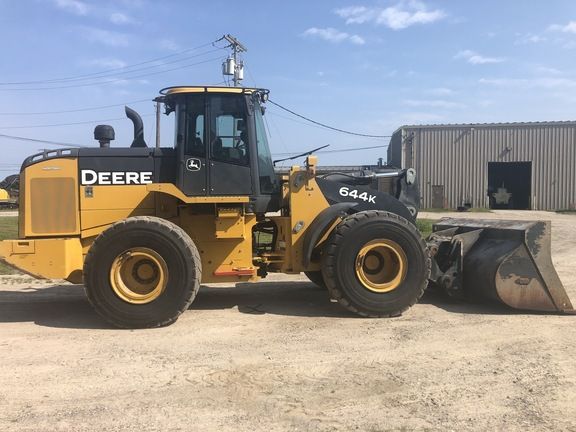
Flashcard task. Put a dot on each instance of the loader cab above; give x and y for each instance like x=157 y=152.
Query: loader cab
x=221 y=144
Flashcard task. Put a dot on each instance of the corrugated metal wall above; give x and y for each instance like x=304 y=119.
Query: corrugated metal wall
x=457 y=157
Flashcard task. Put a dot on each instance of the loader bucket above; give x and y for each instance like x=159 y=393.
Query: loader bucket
x=498 y=260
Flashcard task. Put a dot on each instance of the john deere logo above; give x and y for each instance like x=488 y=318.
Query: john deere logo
x=193 y=164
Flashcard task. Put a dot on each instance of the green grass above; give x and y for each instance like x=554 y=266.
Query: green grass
x=425 y=226
x=571 y=212
x=8 y=230
x=451 y=210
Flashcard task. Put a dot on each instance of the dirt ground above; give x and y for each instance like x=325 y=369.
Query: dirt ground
x=278 y=355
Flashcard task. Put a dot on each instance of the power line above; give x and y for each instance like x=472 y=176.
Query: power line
x=75 y=110
x=19 y=138
x=117 y=74
x=273 y=113
x=337 y=150
x=327 y=126
x=292 y=119
x=113 y=80
x=75 y=77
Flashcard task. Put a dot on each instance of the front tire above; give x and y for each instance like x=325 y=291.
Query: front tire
x=316 y=278
x=142 y=272
x=375 y=264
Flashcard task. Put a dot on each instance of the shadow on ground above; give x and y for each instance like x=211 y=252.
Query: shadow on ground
x=301 y=298
x=61 y=306
x=65 y=306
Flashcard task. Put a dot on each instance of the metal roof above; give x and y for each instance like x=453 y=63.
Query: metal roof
x=488 y=125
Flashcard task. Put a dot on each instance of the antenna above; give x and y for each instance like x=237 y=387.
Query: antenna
x=300 y=155
x=232 y=66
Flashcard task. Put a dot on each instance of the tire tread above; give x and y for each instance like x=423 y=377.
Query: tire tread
x=153 y=223
x=334 y=243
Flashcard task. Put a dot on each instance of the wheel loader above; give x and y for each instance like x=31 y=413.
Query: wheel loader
x=142 y=227
x=9 y=192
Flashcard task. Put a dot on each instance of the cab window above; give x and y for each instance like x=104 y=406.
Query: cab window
x=228 y=132
x=190 y=131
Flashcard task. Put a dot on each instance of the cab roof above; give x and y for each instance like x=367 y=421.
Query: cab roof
x=210 y=89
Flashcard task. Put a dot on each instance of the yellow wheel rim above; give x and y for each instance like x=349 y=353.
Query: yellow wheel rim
x=139 y=275
x=381 y=265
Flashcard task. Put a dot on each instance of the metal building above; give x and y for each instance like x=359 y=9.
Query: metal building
x=500 y=165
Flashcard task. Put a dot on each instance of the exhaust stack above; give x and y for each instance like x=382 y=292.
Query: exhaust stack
x=138 y=127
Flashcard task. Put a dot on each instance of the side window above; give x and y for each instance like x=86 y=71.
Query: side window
x=228 y=134
x=268 y=179
x=195 y=141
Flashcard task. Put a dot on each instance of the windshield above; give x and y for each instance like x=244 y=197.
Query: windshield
x=268 y=180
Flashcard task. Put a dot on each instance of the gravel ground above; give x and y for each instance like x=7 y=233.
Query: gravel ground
x=278 y=355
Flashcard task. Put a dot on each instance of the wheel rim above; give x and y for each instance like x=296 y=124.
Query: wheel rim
x=381 y=265
x=139 y=275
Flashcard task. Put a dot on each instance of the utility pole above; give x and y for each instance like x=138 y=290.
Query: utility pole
x=158 y=101
x=232 y=66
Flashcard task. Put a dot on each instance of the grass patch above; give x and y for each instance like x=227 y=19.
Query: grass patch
x=425 y=226
x=437 y=210
x=8 y=230
x=451 y=210
x=570 y=212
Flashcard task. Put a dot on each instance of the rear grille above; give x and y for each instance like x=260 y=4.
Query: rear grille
x=53 y=205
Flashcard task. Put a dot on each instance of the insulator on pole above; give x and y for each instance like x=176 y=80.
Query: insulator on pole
x=240 y=75
x=228 y=66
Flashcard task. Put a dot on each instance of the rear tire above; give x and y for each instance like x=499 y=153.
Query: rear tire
x=376 y=264
x=316 y=278
x=142 y=272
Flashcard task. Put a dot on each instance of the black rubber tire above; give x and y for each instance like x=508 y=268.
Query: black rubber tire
x=316 y=278
x=342 y=247
x=172 y=243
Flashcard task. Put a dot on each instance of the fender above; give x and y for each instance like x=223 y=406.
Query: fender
x=319 y=227
x=374 y=200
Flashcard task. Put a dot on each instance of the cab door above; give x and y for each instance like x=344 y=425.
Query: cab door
x=192 y=148
x=230 y=172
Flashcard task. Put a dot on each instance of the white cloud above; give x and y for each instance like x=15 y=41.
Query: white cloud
x=421 y=118
x=438 y=103
x=124 y=82
x=169 y=45
x=477 y=59
x=133 y=3
x=529 y=38
x=383 y=71
x=332 y=35
x=105 y=37
x=524 y=83
x=120 y=18
x=400 y=16
x=73 y=6
x=545 y=70
x=355 y=39
x=440 y=91
x=567 y=28
x=107 y=63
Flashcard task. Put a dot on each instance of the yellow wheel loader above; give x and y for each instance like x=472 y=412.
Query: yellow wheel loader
x=142 y=227
x=9 y=192
x=6 y=201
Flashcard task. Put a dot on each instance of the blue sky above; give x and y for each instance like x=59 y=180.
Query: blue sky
x=365 y=66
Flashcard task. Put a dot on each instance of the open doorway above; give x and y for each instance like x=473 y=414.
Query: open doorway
x=509 y=185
